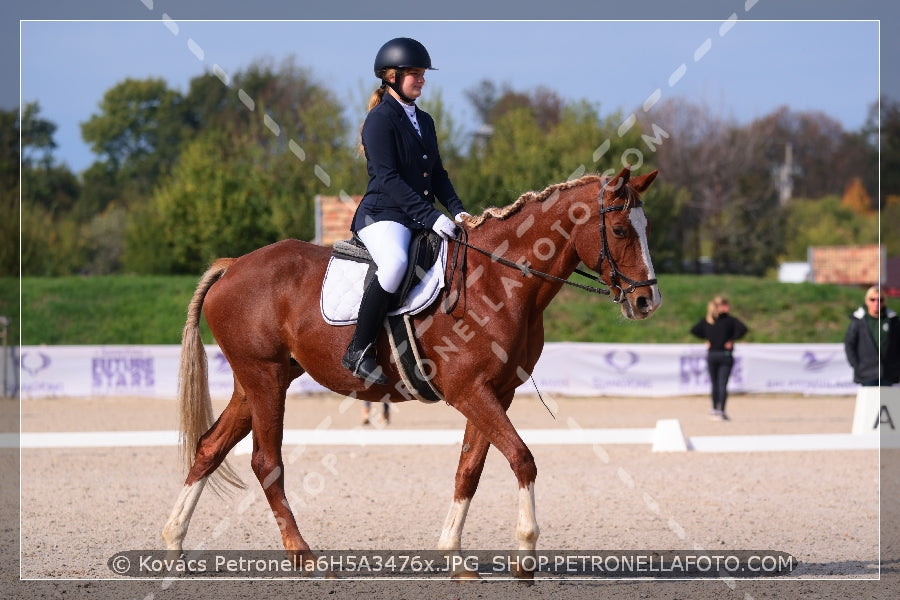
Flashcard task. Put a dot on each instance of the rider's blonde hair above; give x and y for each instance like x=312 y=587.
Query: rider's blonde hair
x=375 y=99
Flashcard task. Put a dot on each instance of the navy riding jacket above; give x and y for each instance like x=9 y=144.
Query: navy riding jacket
x=406 y=175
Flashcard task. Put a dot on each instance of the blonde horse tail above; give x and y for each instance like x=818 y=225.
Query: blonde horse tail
x=196 y=414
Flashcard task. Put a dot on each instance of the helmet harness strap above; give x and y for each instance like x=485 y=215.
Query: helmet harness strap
x=398 y=77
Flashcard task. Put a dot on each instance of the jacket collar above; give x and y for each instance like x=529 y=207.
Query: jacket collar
x=395 y=105
x=860 y=312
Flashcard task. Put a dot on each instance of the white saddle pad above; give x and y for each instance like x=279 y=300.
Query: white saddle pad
x=342 y=289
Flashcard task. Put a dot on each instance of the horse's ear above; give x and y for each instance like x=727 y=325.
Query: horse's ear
x=618 y=182
x=642 y=182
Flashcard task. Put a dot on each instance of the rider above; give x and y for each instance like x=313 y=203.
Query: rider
x=406 y=177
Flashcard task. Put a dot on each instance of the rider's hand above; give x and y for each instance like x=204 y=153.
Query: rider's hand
x=462 y=217
x=445 y=227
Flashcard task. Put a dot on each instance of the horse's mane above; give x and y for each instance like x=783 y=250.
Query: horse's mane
x=532 y=196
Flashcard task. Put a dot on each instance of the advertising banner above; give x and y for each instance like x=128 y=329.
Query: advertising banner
x=566 y=368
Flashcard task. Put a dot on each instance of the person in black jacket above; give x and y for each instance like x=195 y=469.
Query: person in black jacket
x=720 y=330
x=872 y=342
x=406 y=178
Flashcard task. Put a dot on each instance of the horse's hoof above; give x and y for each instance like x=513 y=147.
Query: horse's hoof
x=465 y=575
x=523 y=575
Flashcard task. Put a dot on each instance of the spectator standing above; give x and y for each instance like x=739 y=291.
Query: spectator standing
x=720 y=330
x=872 y=342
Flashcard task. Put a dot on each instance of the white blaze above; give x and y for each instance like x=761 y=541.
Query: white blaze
x=639 y=222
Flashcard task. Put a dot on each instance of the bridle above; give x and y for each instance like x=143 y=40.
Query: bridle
x=616 y=276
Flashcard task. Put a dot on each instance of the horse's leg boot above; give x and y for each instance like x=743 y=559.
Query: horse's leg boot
x=360 y=357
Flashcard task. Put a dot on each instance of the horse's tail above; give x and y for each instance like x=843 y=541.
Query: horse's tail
x=196 y=414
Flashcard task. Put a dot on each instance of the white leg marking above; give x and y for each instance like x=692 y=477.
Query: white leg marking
x=177 y=526
x=451 y=535
x=527 y=530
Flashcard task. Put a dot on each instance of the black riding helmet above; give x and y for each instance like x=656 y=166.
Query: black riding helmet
x=401 y=53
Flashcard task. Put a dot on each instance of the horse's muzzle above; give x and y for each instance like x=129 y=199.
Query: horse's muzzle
x=641 y=303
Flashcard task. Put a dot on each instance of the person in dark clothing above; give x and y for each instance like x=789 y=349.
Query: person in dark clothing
x=406 y=178
x=720 y=330
x=872 y=342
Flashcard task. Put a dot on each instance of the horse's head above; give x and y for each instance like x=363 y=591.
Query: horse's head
x=613 y=241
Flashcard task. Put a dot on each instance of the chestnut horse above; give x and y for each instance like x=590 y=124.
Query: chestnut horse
x=263 y=309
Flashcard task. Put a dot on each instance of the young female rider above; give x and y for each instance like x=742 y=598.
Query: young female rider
x=406 y=177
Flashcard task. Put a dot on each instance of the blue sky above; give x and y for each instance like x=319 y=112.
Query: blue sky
x=739 y=69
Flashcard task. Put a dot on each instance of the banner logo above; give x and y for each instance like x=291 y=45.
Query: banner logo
x=621 y=360
x=812 y=363
x=34 y=363
x=129 y=371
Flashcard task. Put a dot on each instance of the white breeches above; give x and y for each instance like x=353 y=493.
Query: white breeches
x=388 y=243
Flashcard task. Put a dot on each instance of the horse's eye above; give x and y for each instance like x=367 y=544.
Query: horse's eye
x=618 y=231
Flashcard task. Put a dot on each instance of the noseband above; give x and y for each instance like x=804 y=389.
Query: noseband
x=458 y=266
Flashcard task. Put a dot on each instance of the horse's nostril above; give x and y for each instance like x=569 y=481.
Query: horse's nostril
x=643 y=304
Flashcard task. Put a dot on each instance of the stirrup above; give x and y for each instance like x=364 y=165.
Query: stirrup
x=365 y=366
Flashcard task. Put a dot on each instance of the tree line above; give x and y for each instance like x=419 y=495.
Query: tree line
x=181 y=178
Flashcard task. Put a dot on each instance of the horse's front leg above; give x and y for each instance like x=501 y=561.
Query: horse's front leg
x=471 y=464
x=468 y=473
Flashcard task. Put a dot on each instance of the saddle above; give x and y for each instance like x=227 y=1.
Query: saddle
x=424 y=251
x=351 y=268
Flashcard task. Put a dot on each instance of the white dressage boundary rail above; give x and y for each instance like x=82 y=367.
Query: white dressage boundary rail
x=665 y=437
x=565 y=368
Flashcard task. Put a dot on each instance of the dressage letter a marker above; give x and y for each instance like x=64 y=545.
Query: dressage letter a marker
x=884 y=416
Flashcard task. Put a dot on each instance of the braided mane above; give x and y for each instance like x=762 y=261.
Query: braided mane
x=533 y=196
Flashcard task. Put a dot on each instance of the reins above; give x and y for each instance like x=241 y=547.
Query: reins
x=458 y=265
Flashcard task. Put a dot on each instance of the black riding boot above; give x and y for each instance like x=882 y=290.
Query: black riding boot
x=360 y=357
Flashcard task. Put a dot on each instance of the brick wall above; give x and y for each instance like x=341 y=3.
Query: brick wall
x=847 y=265
x=333 y=216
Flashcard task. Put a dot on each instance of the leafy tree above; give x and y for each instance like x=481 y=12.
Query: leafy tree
x=51 y=242
x=825 y=222
x=522 y=154
x=50 y=246
x=698 y=154
x=9 y=233
x=664 y=206
x=138 y=131
x=449 y=134
x=890 y=149
x=9 y=193
x=855 y=197
x=752 y=232
x=828 y=157
x=890 y=224
x=9 y=150
x=37 y=138
x=214 y=205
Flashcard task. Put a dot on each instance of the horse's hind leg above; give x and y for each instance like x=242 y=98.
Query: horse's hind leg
x=213 y=447
x=266 y=387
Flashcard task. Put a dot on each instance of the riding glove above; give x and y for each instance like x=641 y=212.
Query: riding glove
x=445 y=227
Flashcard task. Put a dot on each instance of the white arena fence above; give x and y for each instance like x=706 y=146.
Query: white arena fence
x=565 y=368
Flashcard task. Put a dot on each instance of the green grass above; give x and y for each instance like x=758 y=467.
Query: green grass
x=151 y=310
x=105 y=310
x=774 y=312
